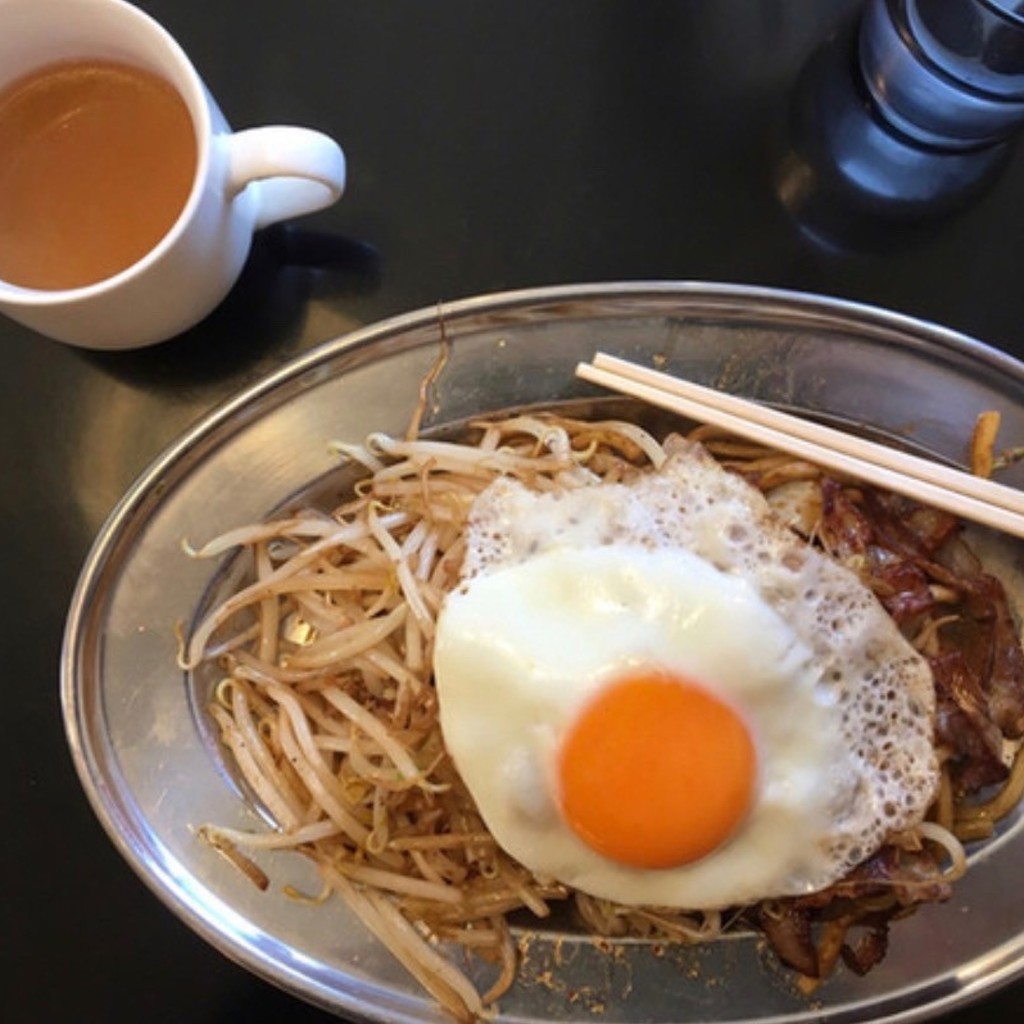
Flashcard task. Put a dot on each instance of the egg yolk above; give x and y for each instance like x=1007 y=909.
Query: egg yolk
x=656 y=772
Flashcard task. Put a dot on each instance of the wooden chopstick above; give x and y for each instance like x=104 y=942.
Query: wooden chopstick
x=952 y=490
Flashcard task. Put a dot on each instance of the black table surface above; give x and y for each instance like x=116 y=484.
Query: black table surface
x=491 y=146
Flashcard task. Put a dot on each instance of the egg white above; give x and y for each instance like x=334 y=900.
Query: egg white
x=687 y=570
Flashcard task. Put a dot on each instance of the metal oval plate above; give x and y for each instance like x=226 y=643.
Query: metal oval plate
x=151 y=776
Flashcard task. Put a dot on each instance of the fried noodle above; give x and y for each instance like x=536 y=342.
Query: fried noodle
x=326 y=703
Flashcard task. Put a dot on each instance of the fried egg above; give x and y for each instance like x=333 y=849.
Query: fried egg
x=657 y=694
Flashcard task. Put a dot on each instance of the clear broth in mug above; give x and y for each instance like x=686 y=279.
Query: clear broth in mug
x=97 y=160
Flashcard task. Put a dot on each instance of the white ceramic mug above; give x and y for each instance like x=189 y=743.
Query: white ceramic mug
x=243 y=181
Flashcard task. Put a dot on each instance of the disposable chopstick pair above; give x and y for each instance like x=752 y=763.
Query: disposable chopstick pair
x=931 y=483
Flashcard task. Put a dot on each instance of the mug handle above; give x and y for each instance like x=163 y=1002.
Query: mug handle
x=299 y=170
